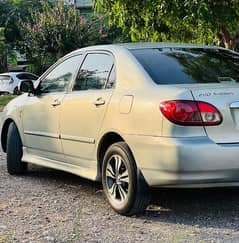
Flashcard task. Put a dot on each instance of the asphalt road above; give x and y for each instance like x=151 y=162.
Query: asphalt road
x=51 y=206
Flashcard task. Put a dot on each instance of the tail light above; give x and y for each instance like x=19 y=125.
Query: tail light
x=11 y=81
x=191 y=113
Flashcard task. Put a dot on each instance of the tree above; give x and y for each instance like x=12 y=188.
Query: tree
x=3 y=51
x=11 y=11
x=203 y=21
x=58 y=30
x=220 y=17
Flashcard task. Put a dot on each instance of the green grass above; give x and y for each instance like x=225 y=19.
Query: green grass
x=4 y=99
x=6 y=237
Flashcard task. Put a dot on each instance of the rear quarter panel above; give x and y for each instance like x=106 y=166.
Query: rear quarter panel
x=144 y=116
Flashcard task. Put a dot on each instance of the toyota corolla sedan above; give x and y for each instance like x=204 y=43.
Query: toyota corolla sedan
x=133 y=116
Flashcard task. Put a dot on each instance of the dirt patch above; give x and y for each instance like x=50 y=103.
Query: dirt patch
x=51 y=206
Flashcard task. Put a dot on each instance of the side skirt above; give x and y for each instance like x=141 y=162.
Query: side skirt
x=88 y=173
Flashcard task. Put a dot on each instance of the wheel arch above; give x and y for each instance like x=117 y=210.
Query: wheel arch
x=106 y=141
x=4 y=133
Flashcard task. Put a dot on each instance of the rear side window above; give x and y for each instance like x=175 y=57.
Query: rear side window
x=188 y=66
x=94 y=72
x=27 y=76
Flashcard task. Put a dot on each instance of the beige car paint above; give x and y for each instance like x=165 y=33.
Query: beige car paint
x=167 y=154
x=80 y=122
x=126 y=104
x=41 y=118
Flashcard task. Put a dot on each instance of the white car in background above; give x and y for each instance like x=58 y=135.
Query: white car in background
x=9 y=81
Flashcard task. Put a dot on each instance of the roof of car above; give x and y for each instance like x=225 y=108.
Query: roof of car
x=16 y=73
x=142 y=45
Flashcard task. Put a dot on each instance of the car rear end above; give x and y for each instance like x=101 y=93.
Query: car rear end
x=199 y=142
x=9 y=81
x=6 y=83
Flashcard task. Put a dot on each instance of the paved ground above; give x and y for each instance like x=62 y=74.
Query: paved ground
x=51 y=206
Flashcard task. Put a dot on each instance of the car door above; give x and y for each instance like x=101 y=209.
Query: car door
x=41 y=114
x=84 y=108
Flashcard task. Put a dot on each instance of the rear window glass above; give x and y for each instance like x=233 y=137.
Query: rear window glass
x=188 y=66
x=27 y=76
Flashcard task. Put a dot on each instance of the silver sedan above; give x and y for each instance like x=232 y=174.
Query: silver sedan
x=133 y=116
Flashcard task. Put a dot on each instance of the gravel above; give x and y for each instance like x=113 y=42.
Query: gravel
x=51 y=206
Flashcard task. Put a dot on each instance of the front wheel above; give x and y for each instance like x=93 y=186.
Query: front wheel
x=124 y=188
x=14 y=152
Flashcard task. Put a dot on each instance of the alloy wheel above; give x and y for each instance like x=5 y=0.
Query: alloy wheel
x=117 y=179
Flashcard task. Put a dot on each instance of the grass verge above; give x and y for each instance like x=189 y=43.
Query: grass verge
x=4 y=99
x=6 y=237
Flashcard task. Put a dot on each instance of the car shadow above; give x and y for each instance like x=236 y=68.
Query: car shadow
x=216 y=208
x=59 y=177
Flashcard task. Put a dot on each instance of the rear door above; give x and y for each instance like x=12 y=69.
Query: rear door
x=84 y=108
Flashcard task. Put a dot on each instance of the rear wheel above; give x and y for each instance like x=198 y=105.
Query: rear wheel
x=14 y=152
x=124 y=188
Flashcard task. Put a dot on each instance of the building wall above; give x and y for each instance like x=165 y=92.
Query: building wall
x=85 y=7
x=83 y=3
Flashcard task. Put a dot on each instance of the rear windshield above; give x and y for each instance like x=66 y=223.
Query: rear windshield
x=27 y=76
x=188 y=66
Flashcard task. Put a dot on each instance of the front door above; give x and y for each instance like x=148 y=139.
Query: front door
x=84 y=108
x=42 y=112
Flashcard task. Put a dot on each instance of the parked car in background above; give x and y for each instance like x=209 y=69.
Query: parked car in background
x=9 y=81
x=132 y=116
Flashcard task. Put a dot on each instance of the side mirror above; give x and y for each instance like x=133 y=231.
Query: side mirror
x=26 y=86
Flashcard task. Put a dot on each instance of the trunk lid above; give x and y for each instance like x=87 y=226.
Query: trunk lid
x=4 y=82
x=4 y=79
x=226 y=99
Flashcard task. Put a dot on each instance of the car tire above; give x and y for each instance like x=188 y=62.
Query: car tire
x=16 y=91
x=14 y=152
x=123 y=185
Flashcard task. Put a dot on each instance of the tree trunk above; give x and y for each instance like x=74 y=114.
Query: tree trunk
x=229 y=44
x=226 y=40
x=3 y=64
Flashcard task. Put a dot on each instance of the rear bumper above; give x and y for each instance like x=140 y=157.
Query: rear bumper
x=185 y=162
x=5 y=90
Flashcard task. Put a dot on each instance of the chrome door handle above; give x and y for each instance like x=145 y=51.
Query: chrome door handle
x=56 y=103
x=99 y=101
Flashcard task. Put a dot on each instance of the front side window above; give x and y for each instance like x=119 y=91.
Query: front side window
x=94 y=72
x=60 y=77
x=27 y=76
